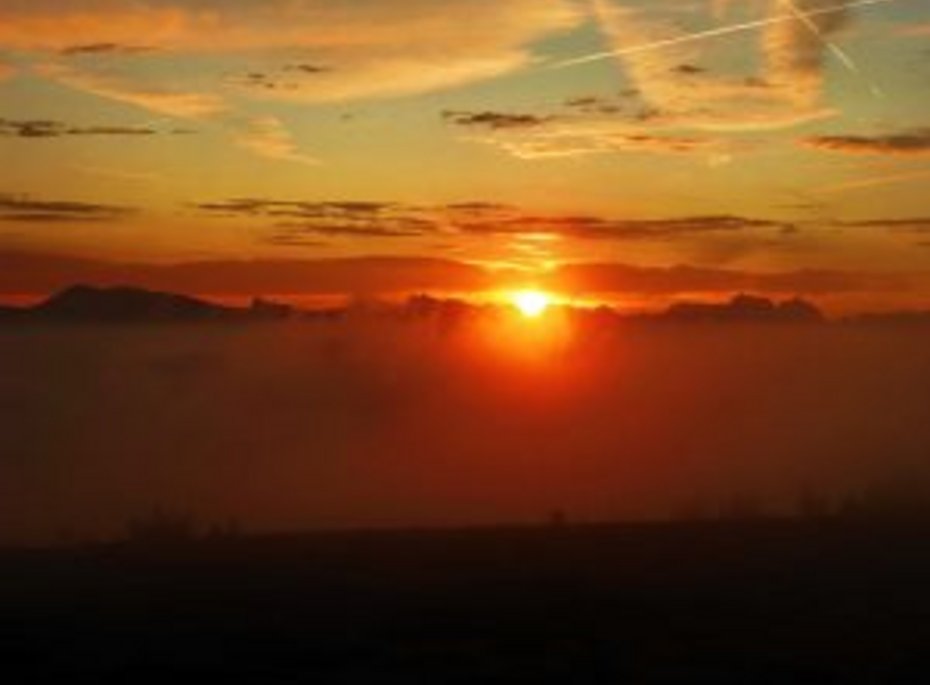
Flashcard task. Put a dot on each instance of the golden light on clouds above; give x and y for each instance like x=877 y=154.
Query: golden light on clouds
x=655 y=147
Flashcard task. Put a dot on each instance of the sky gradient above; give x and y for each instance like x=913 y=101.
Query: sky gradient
x=628 y=152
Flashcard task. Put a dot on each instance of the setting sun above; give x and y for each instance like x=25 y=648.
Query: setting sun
x=531 y=303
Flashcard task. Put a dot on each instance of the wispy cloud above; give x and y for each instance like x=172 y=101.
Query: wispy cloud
x=600 y=228
x=268 y=137
x=660 y=57
x=397 y=220
x=685 y=279
x=104 y=49
x=184 y=105
x=797 y=50
x=530 y=137
x=293 y=222
x=265 y=136
x=366 y=47
x=365 y=51
x=677 y=103
x=495 y=120
x=915 y=30
x=25 y=209
x=916 y=224
x=22 y=272
x=146 y=177
x=876 y=181
x=298 y=209
x=910 y=143
x=594 y=104
x=45 y=128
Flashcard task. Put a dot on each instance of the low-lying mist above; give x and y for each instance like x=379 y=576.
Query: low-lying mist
x=372 y=421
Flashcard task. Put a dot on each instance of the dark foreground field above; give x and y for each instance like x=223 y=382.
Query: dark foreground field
x=767 y=602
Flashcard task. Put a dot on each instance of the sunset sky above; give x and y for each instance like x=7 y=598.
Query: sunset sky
x=626 y=150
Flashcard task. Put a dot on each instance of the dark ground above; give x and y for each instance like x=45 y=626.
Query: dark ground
x=764 y=602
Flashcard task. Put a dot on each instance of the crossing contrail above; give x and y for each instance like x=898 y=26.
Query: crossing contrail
x=875 y=181
x=837 y=51
x=720 y=31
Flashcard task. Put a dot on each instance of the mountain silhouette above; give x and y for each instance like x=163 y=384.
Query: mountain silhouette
x=88 y=303
x=746 y=308
x=126 y=304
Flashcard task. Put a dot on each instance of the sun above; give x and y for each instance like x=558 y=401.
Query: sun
x=531 y=303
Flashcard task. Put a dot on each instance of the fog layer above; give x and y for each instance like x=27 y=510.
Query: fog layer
x=372 y=421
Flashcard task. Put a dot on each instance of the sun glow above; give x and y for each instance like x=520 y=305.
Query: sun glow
x=531 y=303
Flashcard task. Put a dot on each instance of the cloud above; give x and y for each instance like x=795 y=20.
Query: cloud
x=267 y=137
x=306 y=68
x=44 y=128
x=104 y=49
x=684 y=95
x=479 y=207
x=183 y=105
x=286 y=77
x=720 y=8
x=148 y=178
x=598 y=228
x=223 y=25
x=534 y=136
x=295 y=240
x=295 y=219
x=457 y=42
x=796 y=50
x=689 y=70
x=494 y=120
x=677 y=280
x=593 y=104
x=373 y=78
x=364 y=52
x=915 y=30
x=260 y=80
x=916 y=224
x=298 y=209
x=908 y=143
x=673 y=90
x=876 y=181
x=574 y=137
x=297 y=222
x=6 y=71
x=368 y=45
x=22 y=208
x=570 y=142
x=291 y=231
x=23 y=272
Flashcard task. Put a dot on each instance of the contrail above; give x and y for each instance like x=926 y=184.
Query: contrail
x=875 y=181
x=712 y=33
x=837 y=51
x=815 y=30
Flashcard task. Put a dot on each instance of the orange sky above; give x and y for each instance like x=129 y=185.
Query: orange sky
x=627 y=151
